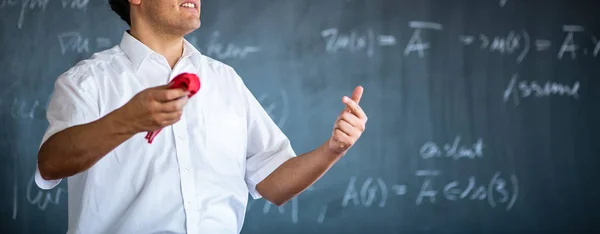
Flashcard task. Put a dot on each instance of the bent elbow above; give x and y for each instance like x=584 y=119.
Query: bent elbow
x=280 y=201
x=44 y=167
x=45 y=175
x=44 y=172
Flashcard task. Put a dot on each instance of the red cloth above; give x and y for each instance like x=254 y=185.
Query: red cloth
x=186 y=81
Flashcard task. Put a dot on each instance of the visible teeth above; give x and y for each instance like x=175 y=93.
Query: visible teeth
x=188 y=5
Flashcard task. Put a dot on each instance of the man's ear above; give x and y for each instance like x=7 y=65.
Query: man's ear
x=135 y=2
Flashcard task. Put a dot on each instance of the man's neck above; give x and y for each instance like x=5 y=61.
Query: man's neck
x=171 y=47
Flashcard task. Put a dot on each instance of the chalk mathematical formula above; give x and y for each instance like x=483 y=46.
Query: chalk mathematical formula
x=375 y=192
x=518 y=43
x=426 y=187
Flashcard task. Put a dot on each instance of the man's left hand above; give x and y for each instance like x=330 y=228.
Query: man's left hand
x=349 y=125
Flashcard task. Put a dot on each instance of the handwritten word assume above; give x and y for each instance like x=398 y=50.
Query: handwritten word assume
x=31 y=5
x=375 y=192
x=518 y=90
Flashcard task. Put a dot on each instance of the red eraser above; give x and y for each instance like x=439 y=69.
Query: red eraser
x=187 y=81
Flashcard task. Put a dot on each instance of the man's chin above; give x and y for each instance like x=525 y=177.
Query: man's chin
x=187 y=29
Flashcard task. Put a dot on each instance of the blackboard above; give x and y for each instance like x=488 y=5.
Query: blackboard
x=483 y=114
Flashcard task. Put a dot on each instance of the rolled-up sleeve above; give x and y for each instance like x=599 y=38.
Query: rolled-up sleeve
x=72 y=103
x=268 y=147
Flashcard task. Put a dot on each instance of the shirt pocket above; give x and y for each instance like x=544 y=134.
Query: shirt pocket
x=226 y=142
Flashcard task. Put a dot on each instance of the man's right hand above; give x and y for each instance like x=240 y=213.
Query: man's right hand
x=153 y=108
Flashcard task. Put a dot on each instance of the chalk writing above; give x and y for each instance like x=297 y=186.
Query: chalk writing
x=513 y=43
x=374 y=192
x=597 y=46
x=568 y=44
x=369 y=192
x=494 y=192
x=533 y=89
x=541 y=44
x=355 y=41
x=8 y=90
x=75 y=4
x=455 y=150
x=15 y=194
x=277 y=106
x=4 y=3
x=519 y=43
x=22 y=109
x=77 y=43
x=502 y=3
x=281 y=209
x=32 y=5
x=322 y=214
x=73 y=41
x=294 y=210
x=19 y=108
x=416 y=42
x=230 y=50
x=103 y=43
x=42 y=199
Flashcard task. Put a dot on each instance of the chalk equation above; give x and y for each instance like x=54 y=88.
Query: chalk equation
x=28 y=6
x=497 y=191
x=74 y=42
x=518 y=89
x=355 y=41
x=220 y=50
x=519 y=43
x=516 y=43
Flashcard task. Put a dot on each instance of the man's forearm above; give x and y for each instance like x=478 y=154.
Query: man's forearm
x=297 y=174
x=77 y=148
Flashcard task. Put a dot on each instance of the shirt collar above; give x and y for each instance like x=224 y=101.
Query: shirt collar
x=137 y=51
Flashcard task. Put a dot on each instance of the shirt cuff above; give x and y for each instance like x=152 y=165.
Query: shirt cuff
x=42 y=183
x=266 y=170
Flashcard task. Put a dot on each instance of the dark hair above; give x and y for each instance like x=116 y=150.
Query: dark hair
x=121 y=7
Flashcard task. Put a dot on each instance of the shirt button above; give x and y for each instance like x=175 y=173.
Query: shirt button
x=186 y=169
x=189 y=202
x=180 y=137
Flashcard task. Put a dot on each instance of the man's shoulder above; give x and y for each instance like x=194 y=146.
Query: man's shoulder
x=217 y=66
x=90 y=67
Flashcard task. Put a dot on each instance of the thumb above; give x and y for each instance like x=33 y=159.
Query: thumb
x=160 y=87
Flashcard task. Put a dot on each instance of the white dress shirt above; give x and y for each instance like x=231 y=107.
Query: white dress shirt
x=196 y=175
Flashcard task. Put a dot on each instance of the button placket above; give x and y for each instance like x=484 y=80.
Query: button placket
x=188 y=189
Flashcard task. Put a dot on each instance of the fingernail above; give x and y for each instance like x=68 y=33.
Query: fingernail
x=345 y=99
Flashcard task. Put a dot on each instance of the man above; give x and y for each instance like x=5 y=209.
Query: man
x=214 y=149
